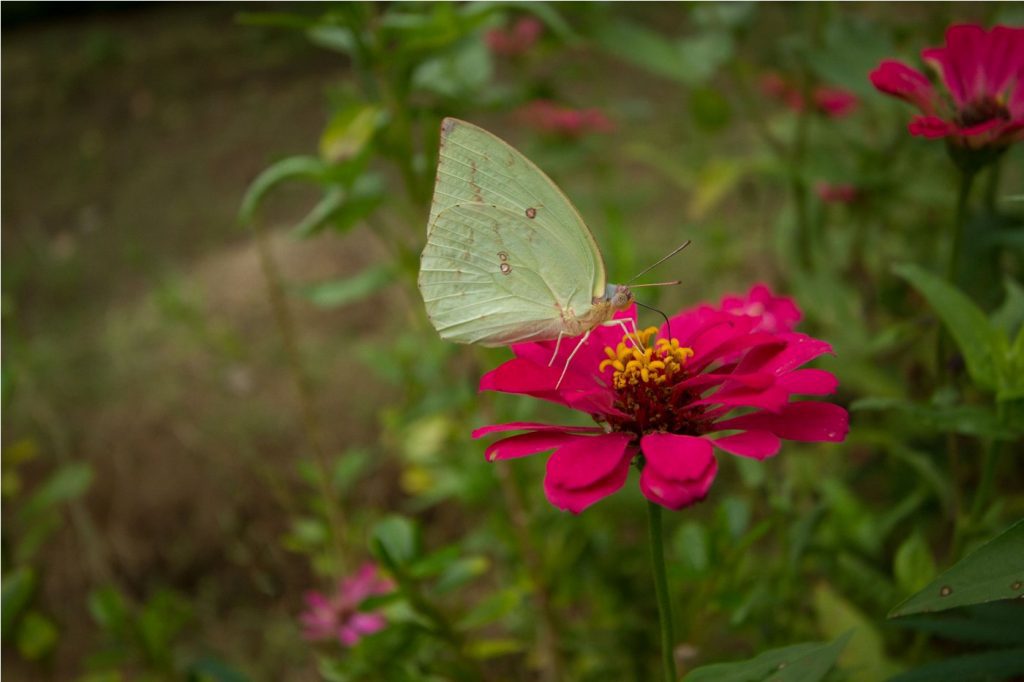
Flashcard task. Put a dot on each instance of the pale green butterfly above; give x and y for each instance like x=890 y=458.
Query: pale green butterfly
x=508 y=258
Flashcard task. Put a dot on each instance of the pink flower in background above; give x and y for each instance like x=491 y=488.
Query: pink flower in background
x=337 y=617
x=982 y=74
x=775 y=313
x=838 y=193
x=556 y=119
x=514 y=41
x=829 y=101
x=670 y=405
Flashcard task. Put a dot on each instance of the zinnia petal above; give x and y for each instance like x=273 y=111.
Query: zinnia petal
x=529 y=444
x=678 y=469
x=587 y=470
x=809 y=382
x=806 y=421
x=899 y=80
x=532 y=426
x=756 y=444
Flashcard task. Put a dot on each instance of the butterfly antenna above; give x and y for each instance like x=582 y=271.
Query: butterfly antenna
x=668 y=325
x=662 y=260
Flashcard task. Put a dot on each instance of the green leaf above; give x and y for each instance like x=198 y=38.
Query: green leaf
x=17 y=590
x=703 y=54
x=212 y=669
x=395 y=541
x=965 y=321
x=67 y=483
x=37 y=636
x=108 y=609
x=1003 y=664
x=865 y=658
x=808 y=662
x=339 y=292
x=291 y=168
x=993 y=571
x=490 y=648
x=641 y=47
x=332 y=37
x=349 y=131
x=314 y=221
x=913 y=565
x=459 y=72
x=969 y=420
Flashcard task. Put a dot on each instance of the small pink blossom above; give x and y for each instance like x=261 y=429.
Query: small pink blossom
x=837 y=193
x=669 y=406
x=829 y=101
x=337 y=616
x=982 y=74
x=514 y=41
x=556 y=119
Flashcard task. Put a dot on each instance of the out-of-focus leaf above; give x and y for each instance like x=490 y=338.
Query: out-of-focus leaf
x=913 y=565
x=993 y=571
x=808 y=662
x=349 y=467
x=291 y=168
x=493 y=608
x=36 y=636
x=337 y=38
x=17 y=590
x=461 y=572
x=736 y=511
x=864 y=659
x=969 y=420
x=349 y=131
x=966 y=322
x=703 y=54
x=211 y=669
x=434 y=563
x=714 y=181
x=716 y=16
x=314 y=221
x=642 y=47
x=709 y=108
x=1003 y=664
x=489 y=648
x=107 y=608
x=460 y=71
x=364 y=196
x=691 y=546
x=395 y=541
x=276 y=19
x=544 y=11
x=1010 y=315
x=68 y=482
x=339 y=292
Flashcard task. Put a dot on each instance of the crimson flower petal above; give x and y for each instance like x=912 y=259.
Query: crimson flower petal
x=529 y=444
x=532 y=426
x=809 y=382
x=678 y=470
x=805 y=421
x=586 y=470
x=756 y=444
x=896 y=78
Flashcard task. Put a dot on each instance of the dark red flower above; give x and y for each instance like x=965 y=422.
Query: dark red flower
x=836 y=193
x=983 y=76
x=668 y=402
x=514 y=41
x=556 y=119
x=828 y=101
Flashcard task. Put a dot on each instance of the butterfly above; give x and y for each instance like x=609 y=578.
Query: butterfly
x=508 y=258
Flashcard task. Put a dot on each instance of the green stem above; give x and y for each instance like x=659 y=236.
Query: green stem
x=661 y=591
x=966 y=181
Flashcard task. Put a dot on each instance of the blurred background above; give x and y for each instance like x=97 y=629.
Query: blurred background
x=217 y=374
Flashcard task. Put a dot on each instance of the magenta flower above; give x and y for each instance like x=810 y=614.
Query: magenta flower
x=836 y=193
x=829 y=101
x=556 y=119
x=514 y=41
x=670 y=403
x=983 y=76
x=338 y=617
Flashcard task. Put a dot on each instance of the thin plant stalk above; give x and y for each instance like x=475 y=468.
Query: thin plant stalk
x=286 y=327
x=661 y=592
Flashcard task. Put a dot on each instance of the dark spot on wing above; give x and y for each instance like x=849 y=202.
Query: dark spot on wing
x=506 y=269
x=531 y=213
x=502 y=256
x=477 y=192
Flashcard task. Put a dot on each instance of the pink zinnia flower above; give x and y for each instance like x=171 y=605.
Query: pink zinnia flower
x=983 y=75
x=514 y=41
x=829 y=101
x=337 y=616
x=557 y=119
x=669 y=405
x=839 y=193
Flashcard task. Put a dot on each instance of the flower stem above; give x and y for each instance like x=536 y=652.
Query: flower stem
x=661 y=591
x=966 y=181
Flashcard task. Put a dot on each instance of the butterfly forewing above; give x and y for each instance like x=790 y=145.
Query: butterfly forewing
x=491 y=276
x=476 y=167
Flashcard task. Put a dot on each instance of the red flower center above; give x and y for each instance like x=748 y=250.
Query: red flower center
x=649 y=384
x=981 y=110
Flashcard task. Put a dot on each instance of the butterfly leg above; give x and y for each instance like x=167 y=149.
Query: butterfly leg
x=557 y=344
x=633 y=336
x=571 y=356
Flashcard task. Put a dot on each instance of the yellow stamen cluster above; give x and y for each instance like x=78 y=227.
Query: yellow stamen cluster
x=636 y=361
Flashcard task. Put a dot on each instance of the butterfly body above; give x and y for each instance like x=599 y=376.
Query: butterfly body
x=508 y=258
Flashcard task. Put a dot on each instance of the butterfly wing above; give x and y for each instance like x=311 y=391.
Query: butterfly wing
x=494 y=277
x=474 y=166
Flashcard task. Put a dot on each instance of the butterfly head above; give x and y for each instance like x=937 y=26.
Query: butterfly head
x=618 y=296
